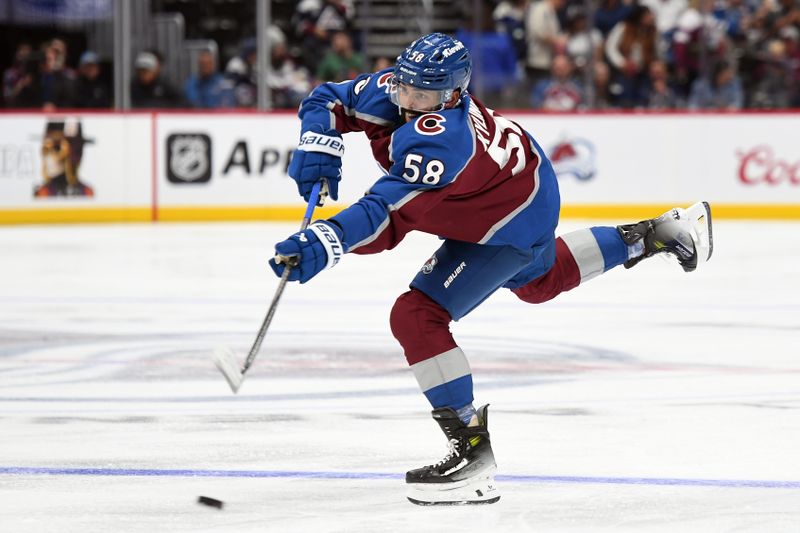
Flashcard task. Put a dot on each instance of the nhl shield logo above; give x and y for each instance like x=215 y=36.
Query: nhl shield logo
x=188 y=158
x=429 y=265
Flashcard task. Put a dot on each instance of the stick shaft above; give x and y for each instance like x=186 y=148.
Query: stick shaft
x=312 y=203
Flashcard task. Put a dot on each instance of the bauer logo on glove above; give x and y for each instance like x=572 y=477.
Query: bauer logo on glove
x=316 y=142
x=318 y=156
x=309 y=252
x=331 y=242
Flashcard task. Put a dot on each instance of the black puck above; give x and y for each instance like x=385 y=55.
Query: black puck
x=211 y=502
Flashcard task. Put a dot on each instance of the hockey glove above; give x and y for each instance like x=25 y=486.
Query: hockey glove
x=309 y=251
x=318 y=156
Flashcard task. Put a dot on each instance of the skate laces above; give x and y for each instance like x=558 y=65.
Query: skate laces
x=452 y=451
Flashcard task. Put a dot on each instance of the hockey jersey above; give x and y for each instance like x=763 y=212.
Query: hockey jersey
x=465 y=173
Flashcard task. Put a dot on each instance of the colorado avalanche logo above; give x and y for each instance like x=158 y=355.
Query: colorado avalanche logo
x=574 y=157
x=429 y=265
x=430 y=124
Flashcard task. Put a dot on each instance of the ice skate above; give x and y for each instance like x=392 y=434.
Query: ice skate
x=466 y=474
x=683 y=233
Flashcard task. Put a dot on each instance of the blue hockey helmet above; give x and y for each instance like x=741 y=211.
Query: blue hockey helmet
x=435 y=62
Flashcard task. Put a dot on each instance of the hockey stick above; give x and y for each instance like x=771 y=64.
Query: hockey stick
x=224 y=358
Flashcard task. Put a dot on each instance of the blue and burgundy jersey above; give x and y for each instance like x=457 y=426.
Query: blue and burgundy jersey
x=465 y=173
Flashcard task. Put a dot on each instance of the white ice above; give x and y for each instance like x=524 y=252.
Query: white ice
x=646 y=400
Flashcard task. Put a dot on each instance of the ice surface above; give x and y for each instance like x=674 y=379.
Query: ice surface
x=646 y=400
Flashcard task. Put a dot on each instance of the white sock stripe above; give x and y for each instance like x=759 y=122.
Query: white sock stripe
x=586 y=252
x=317 y=142
x=331 y=242
x=441 y=369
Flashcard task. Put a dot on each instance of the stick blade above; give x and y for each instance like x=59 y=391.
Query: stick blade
x=226 y=362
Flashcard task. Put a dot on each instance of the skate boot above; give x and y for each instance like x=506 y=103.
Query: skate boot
x=466 y=474
x=683 y=233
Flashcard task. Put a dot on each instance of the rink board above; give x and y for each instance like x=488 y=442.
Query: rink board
x=183 y=166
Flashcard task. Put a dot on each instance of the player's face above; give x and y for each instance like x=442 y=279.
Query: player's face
x=418 y=100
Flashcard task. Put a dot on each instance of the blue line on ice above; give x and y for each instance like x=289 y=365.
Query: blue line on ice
x=133 y=472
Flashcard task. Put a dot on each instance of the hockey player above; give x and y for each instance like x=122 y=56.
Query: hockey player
x=463 y=172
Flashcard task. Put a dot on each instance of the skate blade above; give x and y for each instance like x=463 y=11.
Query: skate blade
x=473 y=492
x=699 y=217
x=468 y=502
x=226 y=362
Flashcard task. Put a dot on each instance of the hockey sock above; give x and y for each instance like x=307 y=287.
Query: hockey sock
x=466 y=413
x=440 y=367
x=596 y=250
x=612 y=247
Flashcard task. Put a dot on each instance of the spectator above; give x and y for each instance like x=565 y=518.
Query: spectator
x=610 y=13
x=91 y=90
x=241 y=72
x=786 y=14
x=288 y=81
x=699 y=41
x=544 y=36
x=208 y=89
x=148 y=90
x=27 y=90
x=13 y=76
x=584 y=44
x=509 y=18
x=724 y=91
x=494 y=72
x=659 y=94
x=57 y=81
x=737 y=23
x=736 y=17
x=315 y=23
x=341 y=62
x=666 y=13
x=60 y=53
x=762 y=23
x=600 y=95
x=630 y=48
x=559 y=92
x=791 y=39
x=775 y=78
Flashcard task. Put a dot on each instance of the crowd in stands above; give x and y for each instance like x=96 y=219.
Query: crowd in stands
x=542 y=54
x=42 y=79
x=649 y=54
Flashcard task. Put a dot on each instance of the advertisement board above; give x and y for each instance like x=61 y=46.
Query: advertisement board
x=232 y=166
x=62 y=165
x=242 y=160
x=634 y=159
